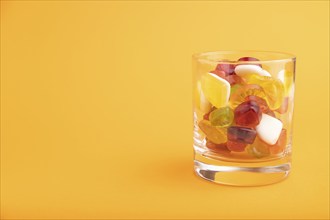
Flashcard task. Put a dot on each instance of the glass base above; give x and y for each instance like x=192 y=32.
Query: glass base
x=242 y=173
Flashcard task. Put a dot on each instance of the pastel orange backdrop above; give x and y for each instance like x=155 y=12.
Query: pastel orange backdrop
x=96 y=118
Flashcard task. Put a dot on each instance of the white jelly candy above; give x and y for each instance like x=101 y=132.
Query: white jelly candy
x=269 y=129
x=241 y=70
x=265 y=73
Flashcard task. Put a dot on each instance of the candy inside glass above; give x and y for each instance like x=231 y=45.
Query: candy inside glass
x=243 y=108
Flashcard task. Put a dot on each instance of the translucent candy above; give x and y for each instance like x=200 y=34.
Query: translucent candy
x=261 y=102
x=214 y=134
x=258 y=149
x=207 y=115
x=284 y=107
x=273 y=89
x=201 y=101
x=219 y=148
x=222 y=117
x=242 y=91
x=216 y=90
x=241 y=134
x=280 y=144
x=236 y=146
x=287 y=79
x=226 y=67
x=248 y=114
x=234 y=79
x=249 y=59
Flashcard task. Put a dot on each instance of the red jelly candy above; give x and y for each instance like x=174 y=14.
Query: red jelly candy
x=236 y=146
x=261 y=102
x=284 y=106
x=226 y=67
x=220 y=73
x=234 y=79
x=249 y=59
x=280 y=144
x=220 y=148
x=241 y=134
x=248 y=114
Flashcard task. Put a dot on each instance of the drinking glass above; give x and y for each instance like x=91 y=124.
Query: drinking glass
x=242 y=112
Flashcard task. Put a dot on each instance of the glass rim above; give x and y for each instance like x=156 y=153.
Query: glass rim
x=203 y=56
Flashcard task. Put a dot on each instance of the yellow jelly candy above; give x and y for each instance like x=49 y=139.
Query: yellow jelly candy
x=287 y=79
x=273 y=89
x=258 y=149
x=201 y=101
x=214 y=134
x=216 y=90
x=240 y=94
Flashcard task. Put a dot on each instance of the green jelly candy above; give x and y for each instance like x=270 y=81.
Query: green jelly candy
x=222 y=117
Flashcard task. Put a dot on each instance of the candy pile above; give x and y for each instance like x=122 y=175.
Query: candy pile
x=239 y=104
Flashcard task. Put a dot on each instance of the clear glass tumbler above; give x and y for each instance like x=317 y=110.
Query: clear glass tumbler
x=243 y=108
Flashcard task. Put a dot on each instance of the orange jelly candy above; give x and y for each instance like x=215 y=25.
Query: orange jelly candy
x=280 y=144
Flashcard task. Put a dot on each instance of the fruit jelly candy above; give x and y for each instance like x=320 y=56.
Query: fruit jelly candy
x=216 y=90
x=201 y=101
x=239 y=95
x=249 y=59
x=241 y=134
x=284 y=107
x=261 y=102
x=280 y=144
x=222 y=117
x=245 y=69
x=214 y=134
x=236 y=146
x=270 y=113
x=258 y=149
x=248 y=114
x=287 y=79
x=220 y=148
x=228 y=68
x=207 y=115
x=234 y=79
x=269 y=129
x=273 y=89
x=220 y=73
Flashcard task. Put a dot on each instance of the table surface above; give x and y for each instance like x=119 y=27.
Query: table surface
x=96 y=118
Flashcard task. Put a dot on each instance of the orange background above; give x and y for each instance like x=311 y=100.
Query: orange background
x=96 y=108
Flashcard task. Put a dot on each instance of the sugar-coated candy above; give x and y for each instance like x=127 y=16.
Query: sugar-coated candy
x=219 y=148
x=216 y=89
x=239 y=95
x=222 y=117
x=228 y=68
x=287 y=78
x=236 y=146
x=273 y=89
x=201 y=100
x=249 y=59
x=214 y=134
x=242 y=70
x=280 y=144
x=284 y=107
x=258 y=149
x=269 y=129
x=248 y=113
x=241 y=134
